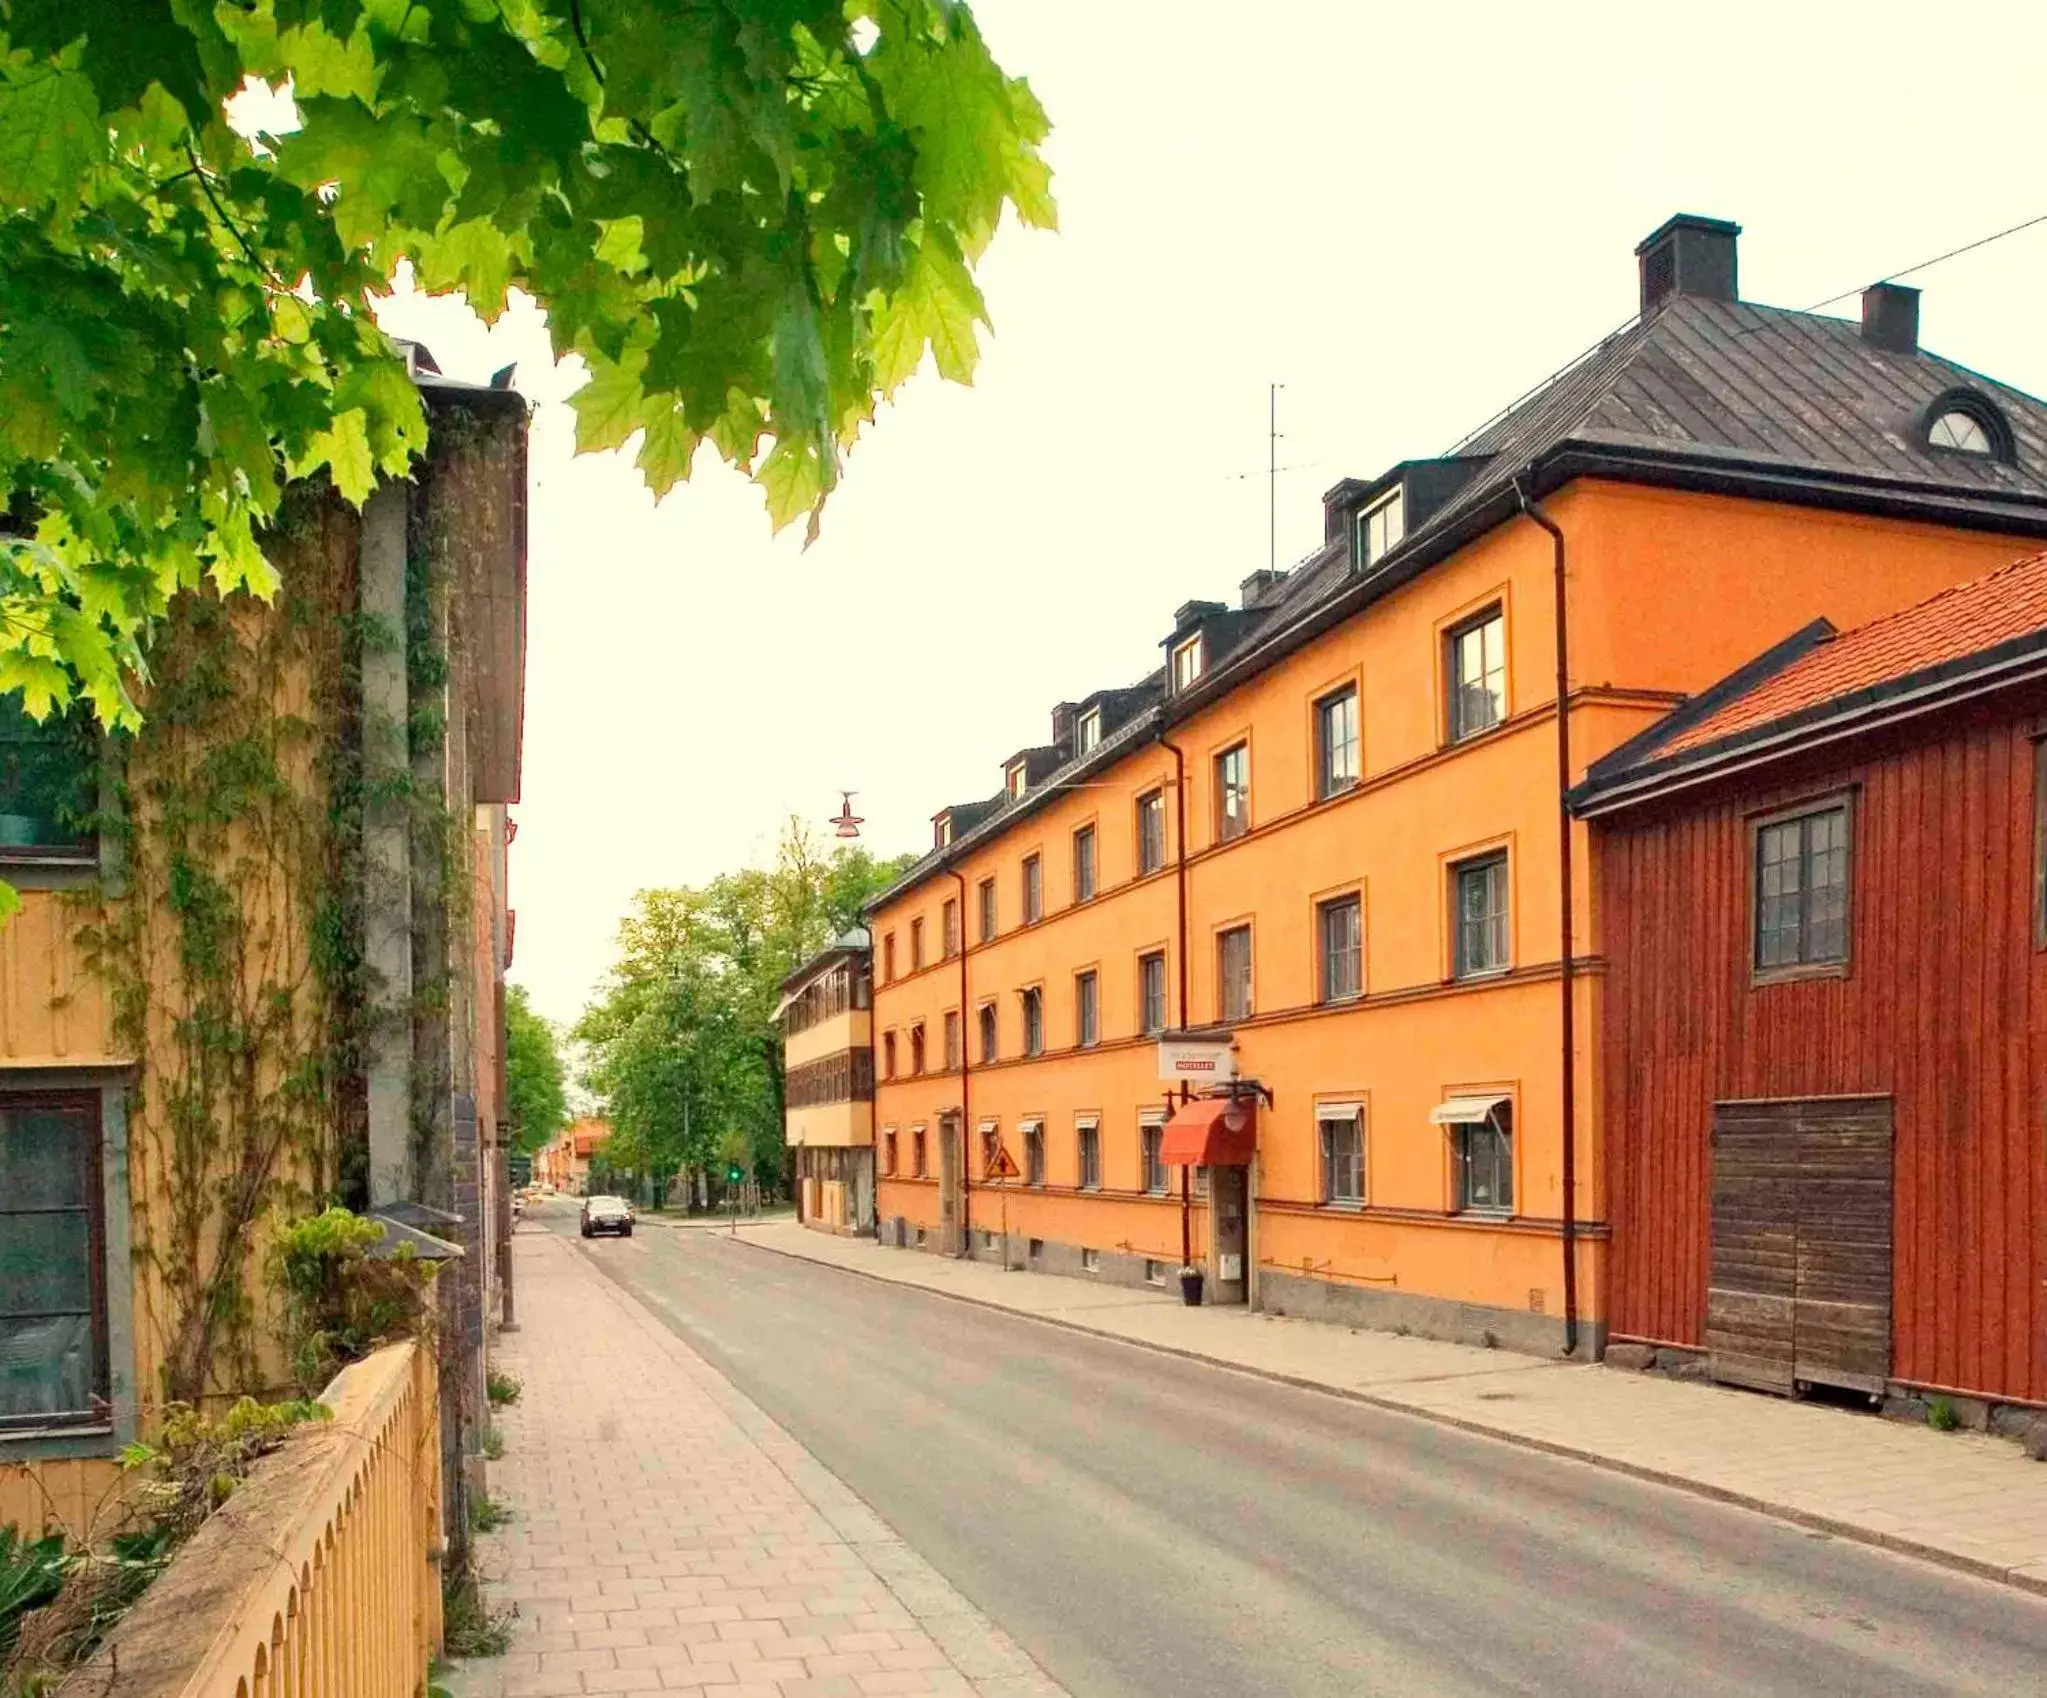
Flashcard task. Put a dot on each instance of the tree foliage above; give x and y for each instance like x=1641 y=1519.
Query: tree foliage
x=536 y=1080
x=682 y=1039
x=749 y=217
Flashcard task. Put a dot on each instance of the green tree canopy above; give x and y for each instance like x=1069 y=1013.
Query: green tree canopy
x=683 y=1042
x=536 y=1080
x=750 y=218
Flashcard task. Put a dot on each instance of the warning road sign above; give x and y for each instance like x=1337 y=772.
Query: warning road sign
x=1002 y=1165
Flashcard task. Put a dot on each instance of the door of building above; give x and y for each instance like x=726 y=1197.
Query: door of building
x=1229 y=1193
x=951 y=1171
x=1799 y=1291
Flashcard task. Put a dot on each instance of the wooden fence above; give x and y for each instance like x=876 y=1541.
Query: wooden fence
x=321 y=1576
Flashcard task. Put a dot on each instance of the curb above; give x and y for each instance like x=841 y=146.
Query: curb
x=1938 y=1555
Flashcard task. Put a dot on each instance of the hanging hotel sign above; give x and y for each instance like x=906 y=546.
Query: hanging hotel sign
x=1197 y=1061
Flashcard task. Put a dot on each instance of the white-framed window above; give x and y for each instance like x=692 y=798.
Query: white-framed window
x=1087 y=734
x=1151 y=993
x=1342 y=1135
x=1152 y=1139
x=1034 y=1152
x=1033 y=890
x=1088 y=1142
x=1084 y=864
x=987 y=909
x=1336 y=742
x=1478 y=894
x=920 y=1152
x=1381 y=526
x=1087 y=1009
x=1233 y=792
x=952 y=928
x=1151 y=832
x=991 y=1145
x=1233 y=973
x=1187 y=663
x=987 y=1031
x=1016 y=779
x=941 y=830
x=1340 y=923
x=1962 y=432
x=1477 y=664
x=952 y=1039
x=1482 y=1150
x=1033 y=1021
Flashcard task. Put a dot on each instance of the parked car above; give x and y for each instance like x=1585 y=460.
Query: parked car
x=607 y=1214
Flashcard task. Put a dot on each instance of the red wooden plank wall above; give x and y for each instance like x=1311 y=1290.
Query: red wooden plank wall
x=1944 y=1007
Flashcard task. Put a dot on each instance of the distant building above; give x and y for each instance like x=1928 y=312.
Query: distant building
x=1326 y=830
x=564 y=1164
x=1824 y=890
x=828 y=1085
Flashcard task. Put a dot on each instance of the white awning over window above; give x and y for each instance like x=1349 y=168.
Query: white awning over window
x=1086 y=1122
x=990 y=1125
x=1338 y=1111
x=1152 y=1117
x=1465 y=1111
x=1031 y=1123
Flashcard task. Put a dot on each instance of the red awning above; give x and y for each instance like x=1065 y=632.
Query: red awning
x=1212 y=1132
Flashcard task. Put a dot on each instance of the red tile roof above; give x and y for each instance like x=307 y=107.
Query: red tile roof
x=2010 y=603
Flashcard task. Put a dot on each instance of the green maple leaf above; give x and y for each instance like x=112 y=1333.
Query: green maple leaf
x=612 y=405
x=344 y=449
x=668 y=449
x=793 y=478
x=50 y=133
x=939 y=304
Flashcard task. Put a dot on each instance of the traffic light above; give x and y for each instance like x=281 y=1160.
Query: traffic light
x=733 y=1175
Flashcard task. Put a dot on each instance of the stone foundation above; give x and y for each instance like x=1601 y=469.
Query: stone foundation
x=1282 y=1293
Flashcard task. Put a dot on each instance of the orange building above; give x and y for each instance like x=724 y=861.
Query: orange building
x=1330 y=831
x=564 y=1165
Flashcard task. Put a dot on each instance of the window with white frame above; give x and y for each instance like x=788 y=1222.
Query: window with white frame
x=1478 y=894
x=1151 y=993
x=987 y=909
x=920 y=1153
x=1477 y=667
x=1482 y=1149
x=988 y=1031
x=941 y=830
x=1186 y=663
x=952 y=928
x=1233 y=973
x=1034 y=1152
x=1336 y=742
x=1016 y=777
x=1341 y=925
x=1380 y=528
x=1034 y=1022
x=1088 y=1138
x=1151 y=832
x=1233 y=793
x=1033 y=890
x=991 y=1146
x=1088 y=732
x=1152 y=1139
x=1084 y=864
x=1342 y=1129
x=952 y=1039
x=1087 y=1009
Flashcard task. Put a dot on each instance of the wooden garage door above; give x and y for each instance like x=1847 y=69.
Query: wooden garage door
x=1800 y=1285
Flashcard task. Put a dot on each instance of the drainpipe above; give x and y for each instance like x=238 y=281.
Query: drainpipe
x=1180 y=881
x=1567 y=978
x=966 y=1067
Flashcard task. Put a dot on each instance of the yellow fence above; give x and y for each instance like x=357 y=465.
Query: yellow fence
x=320 y=1578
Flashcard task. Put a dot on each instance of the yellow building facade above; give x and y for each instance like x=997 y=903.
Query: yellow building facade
x=828 y=1086
x=1328 y=834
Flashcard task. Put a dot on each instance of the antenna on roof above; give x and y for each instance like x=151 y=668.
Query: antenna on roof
x=1272 y=478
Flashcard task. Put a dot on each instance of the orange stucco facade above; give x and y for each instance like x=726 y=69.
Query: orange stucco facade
x=1668 y=590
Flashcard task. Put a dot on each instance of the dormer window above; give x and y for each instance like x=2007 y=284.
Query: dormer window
x=1088 y=733
x=1016 y=779
x=1380 y=528
x=1964 y=422
x=941 y=831
x=1187 y=663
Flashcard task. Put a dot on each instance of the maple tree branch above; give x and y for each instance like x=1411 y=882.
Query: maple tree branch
x=221 y=212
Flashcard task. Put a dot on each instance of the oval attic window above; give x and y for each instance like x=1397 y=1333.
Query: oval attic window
x=1960 y=431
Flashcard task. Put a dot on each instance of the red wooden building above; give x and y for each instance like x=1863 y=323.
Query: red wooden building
x=1824 y=904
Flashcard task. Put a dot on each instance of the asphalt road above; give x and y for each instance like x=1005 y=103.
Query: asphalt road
x=1146 y=1525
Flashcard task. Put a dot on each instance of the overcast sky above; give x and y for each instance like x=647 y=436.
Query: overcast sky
x=1407 y=215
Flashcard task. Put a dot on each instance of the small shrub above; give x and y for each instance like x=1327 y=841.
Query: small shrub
x=493 y=1444
x=1487 y=1341
x=469 y=1626
x=486 y=1514
x=503 y=1388
x=31 y=1574
x=341 y=1301
x=43 y=1641
x=1942 y=1416
x=198 y=1461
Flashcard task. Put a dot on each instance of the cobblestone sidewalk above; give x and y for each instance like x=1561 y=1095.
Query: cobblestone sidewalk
x=666 y=1534
x=1961 y=1499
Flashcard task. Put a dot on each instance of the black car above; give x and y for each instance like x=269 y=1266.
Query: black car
x=607 y=1214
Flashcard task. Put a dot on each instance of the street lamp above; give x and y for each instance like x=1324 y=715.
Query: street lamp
x=847 y=822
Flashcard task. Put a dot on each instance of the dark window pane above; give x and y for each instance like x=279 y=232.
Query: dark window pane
x=49 y=779
x=45 y=1159
x=46 y=1264
x=47 y=1367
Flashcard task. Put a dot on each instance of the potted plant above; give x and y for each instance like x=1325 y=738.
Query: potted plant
x=1190 y=1287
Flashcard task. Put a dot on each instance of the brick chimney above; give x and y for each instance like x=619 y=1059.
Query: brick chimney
x=1688 y=255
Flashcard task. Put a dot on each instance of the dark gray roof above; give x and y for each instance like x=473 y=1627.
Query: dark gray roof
x=1703 y=392
x=1709 y=377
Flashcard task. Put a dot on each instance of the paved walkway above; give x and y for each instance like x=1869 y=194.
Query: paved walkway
x=666 y=1534
x=1962 y=1499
